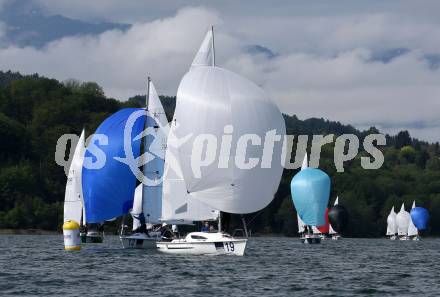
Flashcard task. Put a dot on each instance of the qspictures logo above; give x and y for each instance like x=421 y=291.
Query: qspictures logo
x=244 y=152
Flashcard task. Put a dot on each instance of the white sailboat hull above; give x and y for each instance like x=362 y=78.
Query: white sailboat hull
x=140 y=240
x=336 y=237
x=213 y=244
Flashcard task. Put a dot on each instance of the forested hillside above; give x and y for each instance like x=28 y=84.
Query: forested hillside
x=36 y=111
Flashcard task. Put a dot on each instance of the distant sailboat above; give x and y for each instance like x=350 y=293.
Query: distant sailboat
x=301 y=225
x=392 y=225
x=331 y=231
x=338 y=218
x=413 y=233
x=74 y=207
x=214 y=101
x=402 y=220
x=147 y=202
x=109 y=183
x=310 y=190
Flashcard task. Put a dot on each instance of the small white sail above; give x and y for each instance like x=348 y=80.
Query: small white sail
x=214 y=101
x=315 y=230
x=156 y=110
x=301 y=225
x=205 y=55
x=73 y=199
x=305 y=162
x=402 y=219
x=391 y=223
x=331 y=230
x=137 y=206
x=412 y=229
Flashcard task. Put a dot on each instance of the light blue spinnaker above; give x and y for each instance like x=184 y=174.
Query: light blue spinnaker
x=310 y=190
x=109 y=191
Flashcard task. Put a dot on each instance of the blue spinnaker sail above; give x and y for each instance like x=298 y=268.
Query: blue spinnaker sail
x=310 y=194
x=109 y=190
x=420 y=217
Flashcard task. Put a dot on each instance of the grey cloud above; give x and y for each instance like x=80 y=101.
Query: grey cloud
x=327 y=64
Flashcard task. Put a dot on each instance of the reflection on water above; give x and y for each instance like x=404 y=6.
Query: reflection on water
x=38 y=266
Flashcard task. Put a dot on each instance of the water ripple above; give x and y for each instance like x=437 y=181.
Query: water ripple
x=38 y=266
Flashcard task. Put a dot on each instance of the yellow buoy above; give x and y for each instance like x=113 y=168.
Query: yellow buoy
x=72 y=241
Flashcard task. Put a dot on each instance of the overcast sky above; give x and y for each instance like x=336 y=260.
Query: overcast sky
x=359 y=62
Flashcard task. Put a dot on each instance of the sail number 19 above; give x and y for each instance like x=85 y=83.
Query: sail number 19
x=229 y=246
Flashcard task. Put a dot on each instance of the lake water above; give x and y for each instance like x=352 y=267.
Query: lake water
x=39 y=266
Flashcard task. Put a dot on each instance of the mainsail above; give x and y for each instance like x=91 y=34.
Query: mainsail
x=73 y=200
x=109 y=187
x=225 y=106
x=402 y=219
x=156 y=131
x=412 y=230
x=391 y=223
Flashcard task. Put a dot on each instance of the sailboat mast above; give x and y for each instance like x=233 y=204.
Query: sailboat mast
x=213 y=65
x=147 y=100
x=144 y=167
x=213 y=48
x=219 y=221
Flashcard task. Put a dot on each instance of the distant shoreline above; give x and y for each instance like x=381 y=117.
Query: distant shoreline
x=52 y=232
x=27 y=232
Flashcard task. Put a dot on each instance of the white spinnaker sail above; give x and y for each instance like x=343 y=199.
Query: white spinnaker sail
x=402 y=219
x=214 y=101
x=391 y=223
x=412 y=229
x=177 y=203
x=331 y=230
x=157 y=127
x=73 y=199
